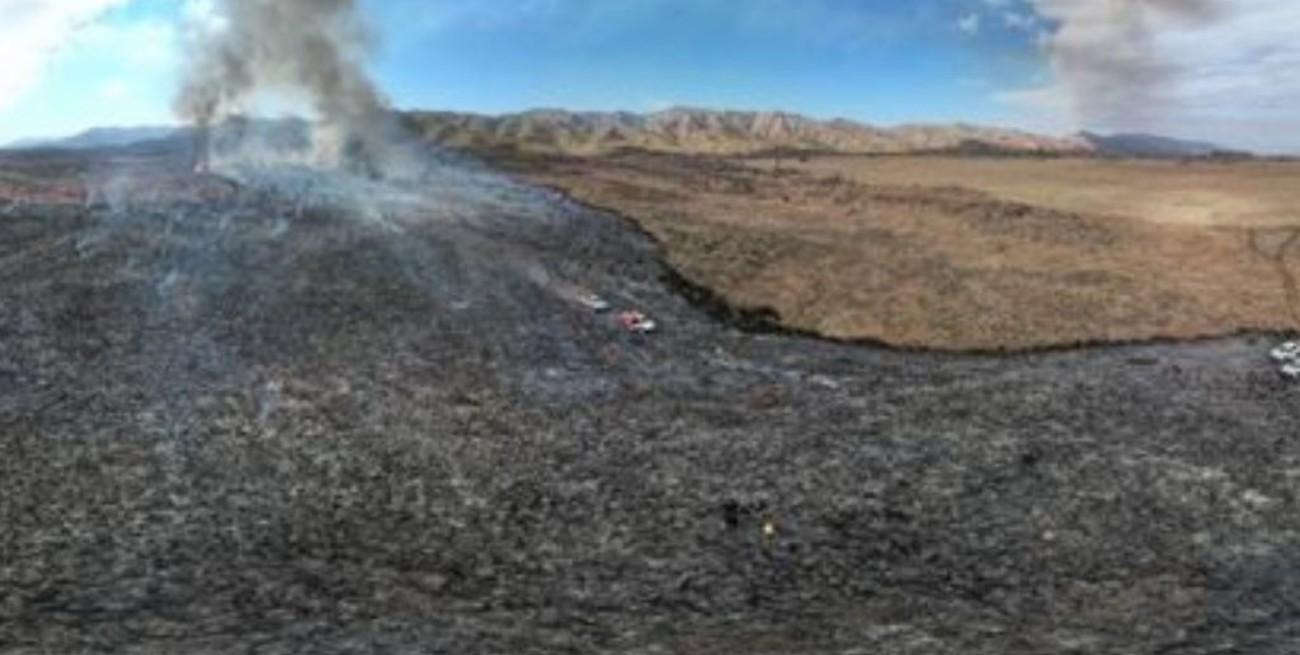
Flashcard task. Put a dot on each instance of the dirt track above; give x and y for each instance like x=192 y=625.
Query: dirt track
x=295 y=416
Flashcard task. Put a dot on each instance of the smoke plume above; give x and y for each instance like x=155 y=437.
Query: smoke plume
x=300 y=49
x=1107 y=55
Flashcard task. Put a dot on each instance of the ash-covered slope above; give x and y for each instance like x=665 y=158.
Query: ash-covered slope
x=282 y=410
x=718 y=132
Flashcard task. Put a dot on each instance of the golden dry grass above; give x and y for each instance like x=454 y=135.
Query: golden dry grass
x=1193 y=192
x=967 y=254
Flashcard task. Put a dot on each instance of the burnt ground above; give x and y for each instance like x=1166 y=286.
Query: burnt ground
x=299 y=413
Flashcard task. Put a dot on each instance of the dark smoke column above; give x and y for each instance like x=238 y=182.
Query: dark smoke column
x=285 y=47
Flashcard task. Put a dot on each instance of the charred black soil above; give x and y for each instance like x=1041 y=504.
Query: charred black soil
x=303 y=413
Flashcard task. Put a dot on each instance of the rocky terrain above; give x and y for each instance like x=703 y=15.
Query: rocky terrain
x=284 y=411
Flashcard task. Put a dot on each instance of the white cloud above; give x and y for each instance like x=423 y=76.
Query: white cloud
x=70 y=65
x=1044 y=108
x=33 y=33
x=143 y=44
x=114 y=90
x=1016 y=20
x=969 y=24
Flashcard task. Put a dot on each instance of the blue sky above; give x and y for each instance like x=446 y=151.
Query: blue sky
x=77 y=63
x=877 y=60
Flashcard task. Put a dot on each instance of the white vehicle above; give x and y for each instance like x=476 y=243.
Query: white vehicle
x=1290 y=371
x=594 y=302
x=1287 y=356
x=1287 y=352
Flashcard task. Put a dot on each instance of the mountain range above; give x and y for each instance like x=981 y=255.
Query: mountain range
x=705 y=131
x=99 y=137
x=1148 y=145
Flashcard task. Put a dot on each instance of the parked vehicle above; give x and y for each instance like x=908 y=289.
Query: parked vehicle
x=594 y=302
x=1290 y=370
x=635 y=322
x=1287 y=356
x=1287 y=352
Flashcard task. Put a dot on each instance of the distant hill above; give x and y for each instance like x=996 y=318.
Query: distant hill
x=1149 y=145
x=683 y=130
x=281 y=133
x=717 y=132
x=99 y=137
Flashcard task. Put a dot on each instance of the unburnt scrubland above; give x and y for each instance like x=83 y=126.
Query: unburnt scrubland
x=965 y=253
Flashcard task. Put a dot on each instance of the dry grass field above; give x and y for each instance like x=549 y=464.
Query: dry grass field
x=1192 y=192
x=968 y=254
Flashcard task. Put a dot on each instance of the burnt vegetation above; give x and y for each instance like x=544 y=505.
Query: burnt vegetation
x=311 y=411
